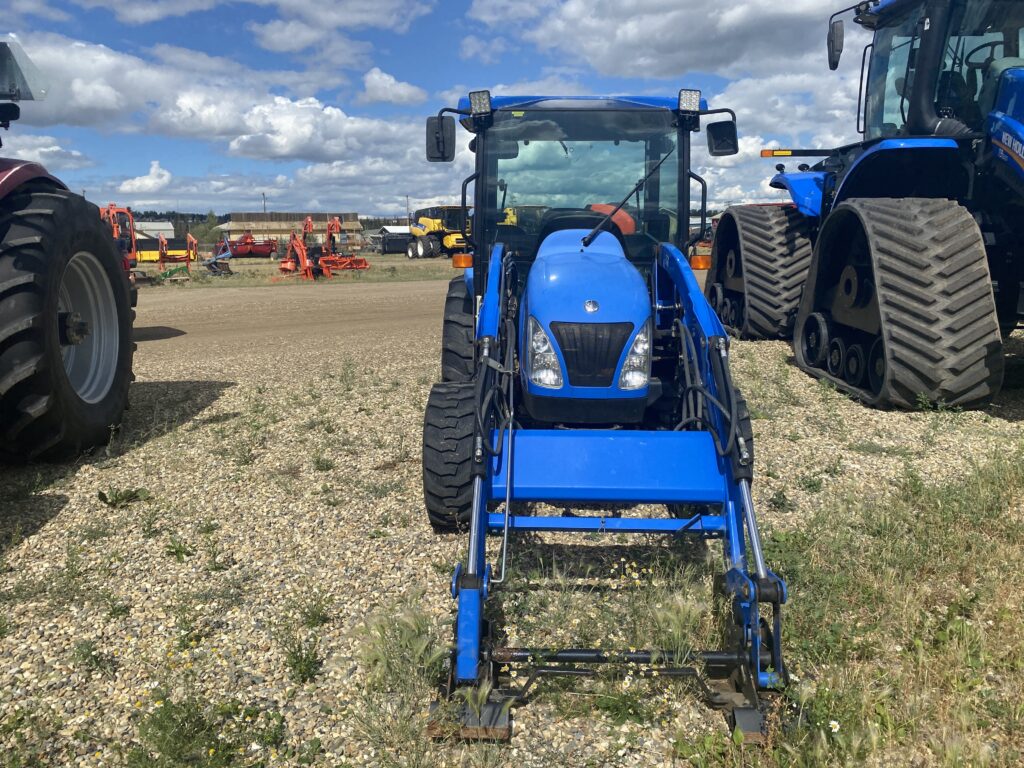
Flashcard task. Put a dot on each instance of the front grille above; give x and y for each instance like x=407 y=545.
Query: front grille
x=591 y=350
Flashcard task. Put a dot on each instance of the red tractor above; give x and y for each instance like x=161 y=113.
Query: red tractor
x=65 y=307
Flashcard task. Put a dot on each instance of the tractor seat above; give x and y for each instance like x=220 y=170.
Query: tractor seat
x=557 y=219
x=955 y=95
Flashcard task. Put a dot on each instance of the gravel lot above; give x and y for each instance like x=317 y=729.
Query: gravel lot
x=276 y=433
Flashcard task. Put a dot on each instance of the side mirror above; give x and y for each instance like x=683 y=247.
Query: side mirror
x=722 y=138
x=835 y=43
x=8 y=113
x=440 y=139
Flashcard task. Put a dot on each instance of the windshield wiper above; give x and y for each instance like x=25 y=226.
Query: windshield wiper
x=635 y=190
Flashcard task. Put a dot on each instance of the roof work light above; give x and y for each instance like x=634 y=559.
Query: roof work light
x=689 y=101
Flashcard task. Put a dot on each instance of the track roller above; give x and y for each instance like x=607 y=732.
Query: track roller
x=759 y=262
x=906 y=288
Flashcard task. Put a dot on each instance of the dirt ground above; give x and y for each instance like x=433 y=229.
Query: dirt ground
x=276 y=434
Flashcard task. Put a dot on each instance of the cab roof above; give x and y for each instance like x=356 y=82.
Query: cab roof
x=582 y=103
x=873 y=16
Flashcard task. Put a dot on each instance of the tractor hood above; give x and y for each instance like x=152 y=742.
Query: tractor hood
x=591 y=303
x=566 y=276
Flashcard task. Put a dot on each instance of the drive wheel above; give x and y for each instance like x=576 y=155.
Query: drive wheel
x=448 y=429
x=422 y=249
x=65 y=326
x=433 y=246
x=457 y=333
x=410 y=250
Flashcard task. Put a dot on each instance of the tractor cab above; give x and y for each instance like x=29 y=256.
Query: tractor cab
x=576 y=196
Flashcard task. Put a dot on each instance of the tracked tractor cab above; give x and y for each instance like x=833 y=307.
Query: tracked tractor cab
x=581 y=367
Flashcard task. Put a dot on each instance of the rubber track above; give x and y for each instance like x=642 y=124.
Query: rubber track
x=775 y=254
x=938 y=314
x=448 y=430
x=457 y=333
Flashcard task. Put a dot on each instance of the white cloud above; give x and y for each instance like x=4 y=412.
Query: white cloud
x=483 y=51
x=45 y=150
x=379 y=86
x=157 y=180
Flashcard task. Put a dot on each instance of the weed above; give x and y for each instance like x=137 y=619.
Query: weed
x=148 y=523
x=94 y=532
x=323 y=463
x=398 y=641
x=69 y=585
x=383 y=488
x=116 y=608
x=118 y=498
x=313 y=610
x=187 y=625
x=810 y=483
x=187 y=731
x=208 y=526
x=301 y=655
x=5 y=626
x=216 y=560
x=88 y=656
x=780 y=502
x=179 y=549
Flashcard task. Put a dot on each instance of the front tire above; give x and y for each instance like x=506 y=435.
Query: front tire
x=448 y=431
x=457 y=358
x=65 y=326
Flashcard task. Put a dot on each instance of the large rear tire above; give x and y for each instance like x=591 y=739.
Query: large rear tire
x=759 y=262
x=65 y=326
x=457 y=362
x=448 y=430
x=913 y=274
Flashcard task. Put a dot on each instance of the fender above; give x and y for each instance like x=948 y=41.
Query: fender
x=14 y=173
x=805 y=188
x=925 y=167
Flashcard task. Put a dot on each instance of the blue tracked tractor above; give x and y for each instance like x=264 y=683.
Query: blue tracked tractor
x=583 y=366
x=901 y=260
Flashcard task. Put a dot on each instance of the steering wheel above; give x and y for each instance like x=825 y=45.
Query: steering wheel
x=982 y=65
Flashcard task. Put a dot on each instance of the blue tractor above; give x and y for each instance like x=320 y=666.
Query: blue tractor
x=583 y=367
x=898 y=266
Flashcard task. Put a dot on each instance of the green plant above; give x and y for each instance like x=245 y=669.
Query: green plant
x=780 y=502
x=179 y=549
x=314 y=609
x=301 y=655
x=148 y=523
x=323 y=463
x=87 y=654
x=116 y=608
x=117 y=498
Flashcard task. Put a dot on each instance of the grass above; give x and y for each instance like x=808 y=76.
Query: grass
x=903 y=623
x=323 y=463
x=188 y=732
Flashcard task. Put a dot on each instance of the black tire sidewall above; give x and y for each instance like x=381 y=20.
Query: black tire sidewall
x=78 y=228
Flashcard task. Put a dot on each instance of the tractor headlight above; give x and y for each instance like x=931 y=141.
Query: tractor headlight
x=636 y=370
x=542 y=364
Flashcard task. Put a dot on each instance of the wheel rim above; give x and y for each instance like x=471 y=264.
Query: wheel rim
x=854 y=367
x=836 y=357
x=420 y=249
x=732 y=264
x=815 y=338
x=87 y=327
x=717 y=294
x=876 y=366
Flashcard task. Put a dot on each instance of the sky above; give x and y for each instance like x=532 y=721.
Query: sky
x=197 y=105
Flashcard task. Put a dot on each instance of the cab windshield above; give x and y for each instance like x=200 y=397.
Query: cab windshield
x=546 y=161
x=984 y=38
